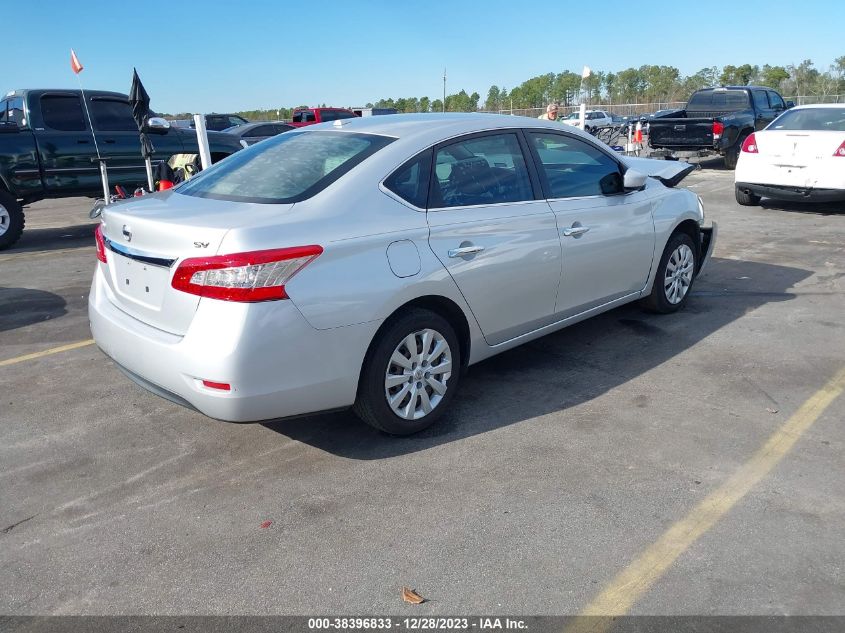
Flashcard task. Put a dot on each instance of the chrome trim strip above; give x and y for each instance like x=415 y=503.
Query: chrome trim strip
x=138 y=255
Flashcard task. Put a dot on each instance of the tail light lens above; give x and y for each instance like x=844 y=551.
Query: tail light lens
x=101 y=243
x=749 y=145
x=248 y=277
x=841 y=150
x=718 y=130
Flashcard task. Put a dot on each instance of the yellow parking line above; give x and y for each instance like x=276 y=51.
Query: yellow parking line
x=46 y=352
x=630 y=584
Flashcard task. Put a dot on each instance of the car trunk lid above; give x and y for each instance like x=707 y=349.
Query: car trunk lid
x=147 y=238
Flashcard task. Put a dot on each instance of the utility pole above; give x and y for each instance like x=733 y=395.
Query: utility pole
x=444 y=89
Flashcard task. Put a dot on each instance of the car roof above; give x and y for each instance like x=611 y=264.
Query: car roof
x=434 y=127
x=809 y=106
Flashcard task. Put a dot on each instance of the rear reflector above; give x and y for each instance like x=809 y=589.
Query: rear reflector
x=841 y=150
x=101 y=244
x=247 y=277
x=718 y=130
x=749 y=145
x=222 y=386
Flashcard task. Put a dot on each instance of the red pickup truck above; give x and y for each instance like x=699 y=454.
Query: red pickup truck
x=310 y=116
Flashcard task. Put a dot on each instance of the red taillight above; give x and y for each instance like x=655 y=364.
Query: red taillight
x=101 y=243
x=718 y=130
x=165 y=184
x=254 y=276
x=749 y=145
x=841 y=150
x=221 y=386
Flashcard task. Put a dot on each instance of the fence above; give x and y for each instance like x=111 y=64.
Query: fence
x=628 y=109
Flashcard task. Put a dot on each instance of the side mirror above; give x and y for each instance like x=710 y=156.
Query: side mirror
x=790 y=104
x=634 y=179
x=9 y=127
x=157 y=125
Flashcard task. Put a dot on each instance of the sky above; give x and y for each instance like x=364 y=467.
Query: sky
x=215 y=56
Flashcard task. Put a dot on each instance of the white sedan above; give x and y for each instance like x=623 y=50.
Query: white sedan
x=798 y=156
x=368 y=262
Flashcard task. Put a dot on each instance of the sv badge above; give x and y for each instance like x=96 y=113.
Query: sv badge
x=201 y=244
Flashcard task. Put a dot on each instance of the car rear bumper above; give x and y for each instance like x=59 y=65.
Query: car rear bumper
x=793 y=193
x=276 y=363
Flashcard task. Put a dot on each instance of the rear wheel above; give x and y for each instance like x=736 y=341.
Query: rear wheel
x=746 y=199
x=732 y=153
x=11 y=220
x=675 y=275
x=410 y=374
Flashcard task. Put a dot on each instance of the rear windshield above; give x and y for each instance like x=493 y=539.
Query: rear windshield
x=718 y=101
x=830 y=119
x=288 y=168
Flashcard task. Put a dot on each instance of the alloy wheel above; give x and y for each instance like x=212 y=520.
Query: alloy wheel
x=417 y=374
x=5 y=220
x=678 y=276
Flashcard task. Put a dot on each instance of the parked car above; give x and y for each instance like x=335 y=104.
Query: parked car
x=593 y=119
x=48 y=149
x=251 y=133
x=716 y=120
x=310 y=116
x=220 y=122
x=369 y=265
x=799 y=156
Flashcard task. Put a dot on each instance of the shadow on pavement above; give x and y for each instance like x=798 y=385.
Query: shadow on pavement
x=810 y=208
x=566 y=368
x=20 y=307
x=54 y=238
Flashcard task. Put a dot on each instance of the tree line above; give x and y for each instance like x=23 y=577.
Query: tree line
x=646 y=84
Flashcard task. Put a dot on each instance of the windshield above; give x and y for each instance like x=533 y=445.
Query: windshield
x=289 y=168
x=826 y=119
x=718 y=100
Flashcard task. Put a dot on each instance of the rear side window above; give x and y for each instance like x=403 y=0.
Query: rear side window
x=261 y=130
x=287 y=168
x=63 y=113
x=111 y=115
x=776 y=101
x=574 y=168
x=11 y=111
x=334 y=115
x=304 y=116
x=410 y=182
x=760 y=100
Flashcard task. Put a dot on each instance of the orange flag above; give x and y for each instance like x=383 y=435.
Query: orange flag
x=74 y=63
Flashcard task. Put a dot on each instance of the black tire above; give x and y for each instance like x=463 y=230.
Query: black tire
x=732 y=154
x=746 y=199
x=658 y=301
x=371 y=404
x=11 y=220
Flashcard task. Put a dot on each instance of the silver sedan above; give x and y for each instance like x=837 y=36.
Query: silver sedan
x=368 y=262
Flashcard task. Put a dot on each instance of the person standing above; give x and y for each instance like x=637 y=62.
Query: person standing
x=551 y=113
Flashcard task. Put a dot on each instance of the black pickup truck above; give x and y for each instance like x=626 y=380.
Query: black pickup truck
x=49 y=150
x=716 y=120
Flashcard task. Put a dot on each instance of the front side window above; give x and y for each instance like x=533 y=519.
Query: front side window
x=11 y=111
x=287 y=168
x=481 y=171
x=112 y=115
x=261 y=130
x=63 y=113
x=575 y=168
x=410 y=182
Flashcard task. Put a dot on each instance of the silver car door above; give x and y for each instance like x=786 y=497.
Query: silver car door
x=499 y=243
x=607 y=234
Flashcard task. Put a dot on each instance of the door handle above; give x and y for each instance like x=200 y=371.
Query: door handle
x=465 y=250
x=575 y=231
x=110 y=140
x=82 y=141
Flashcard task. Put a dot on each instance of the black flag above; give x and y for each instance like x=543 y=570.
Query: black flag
x=140 y=102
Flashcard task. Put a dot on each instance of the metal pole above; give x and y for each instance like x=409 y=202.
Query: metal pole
x=149 y=165
x=444 y=90
x=104 y=177
x=202 y=141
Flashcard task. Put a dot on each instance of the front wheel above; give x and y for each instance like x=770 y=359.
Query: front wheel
x=410 y=374
x=675 y=275
x=11 y=220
